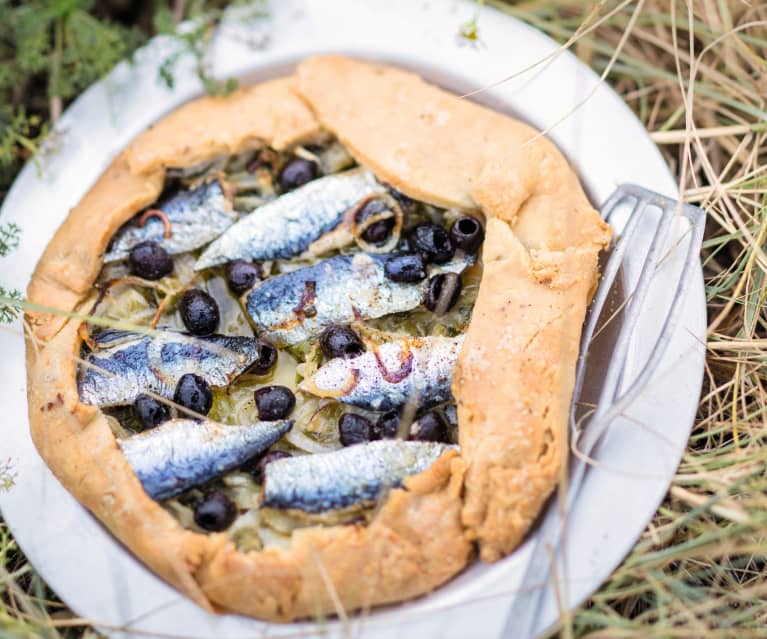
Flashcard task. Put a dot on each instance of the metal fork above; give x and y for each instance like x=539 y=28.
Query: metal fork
x=523 y=616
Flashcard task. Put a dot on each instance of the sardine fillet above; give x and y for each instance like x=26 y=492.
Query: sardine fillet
x=196 y=218
x=182 y=453
x=357 y=474
x=418 y=369
x=295 y=306
x=124 y=365
x=285 y=227
x=342 y=289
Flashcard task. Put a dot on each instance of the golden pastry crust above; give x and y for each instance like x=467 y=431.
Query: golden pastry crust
x=249 y=117
x=540 y=266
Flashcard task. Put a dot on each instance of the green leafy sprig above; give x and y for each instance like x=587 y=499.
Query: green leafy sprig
x=50 y=50
x=63 y=41
x=10 y=303
x=193 y=41
x=21 y=136
x=469 y=30
x=7 y=475
x=194 y=36
x=10 y=235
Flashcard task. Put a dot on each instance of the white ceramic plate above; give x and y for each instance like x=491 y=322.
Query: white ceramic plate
x=93 y=573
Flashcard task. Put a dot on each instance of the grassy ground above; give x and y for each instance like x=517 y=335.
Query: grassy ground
x=696 y=75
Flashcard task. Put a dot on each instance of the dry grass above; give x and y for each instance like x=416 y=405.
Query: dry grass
x=696 y=75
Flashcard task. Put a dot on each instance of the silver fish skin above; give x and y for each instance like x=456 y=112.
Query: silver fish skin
x=197 y=217
x=182 y=453
x=125 y=364
x=451 y=414
x=345 y=477
x=338 y=290
x=285 y=227
x=418 y=369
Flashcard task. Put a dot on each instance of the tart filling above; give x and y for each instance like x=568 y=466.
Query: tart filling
x=226 y=363
x=284 y=332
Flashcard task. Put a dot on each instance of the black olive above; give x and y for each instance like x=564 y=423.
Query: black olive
x=408 y=267
x=354 y=429
x=150 y=261
x=377 y=232
x=442 y=292
x=193 y=392
x=406 y=203
x=386 y=426
x=296 y=173
x=274 y=402
x=149 y=411
x=340 y=341
x=242 y=275
x=267 y=358
x=215 y=512
x=433 y=242
x=467 y=233
x=257 y=468
x=199 y=312
x=430 y=427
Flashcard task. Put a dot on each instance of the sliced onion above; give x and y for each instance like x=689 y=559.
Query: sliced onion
x=184 y=514
x=248 y=202
x=279 y=522
x=308 y=444
x=198 y=170
x=271 y=539
x=393 y=210
x=306 y=154
x=335 y=158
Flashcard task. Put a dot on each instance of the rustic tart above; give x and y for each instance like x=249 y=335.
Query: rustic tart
x=332 y=326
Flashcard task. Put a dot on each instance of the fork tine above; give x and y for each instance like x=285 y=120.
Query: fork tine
x=667 y=330
x=637 y=298
x=523 y=616
x=609 y=273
